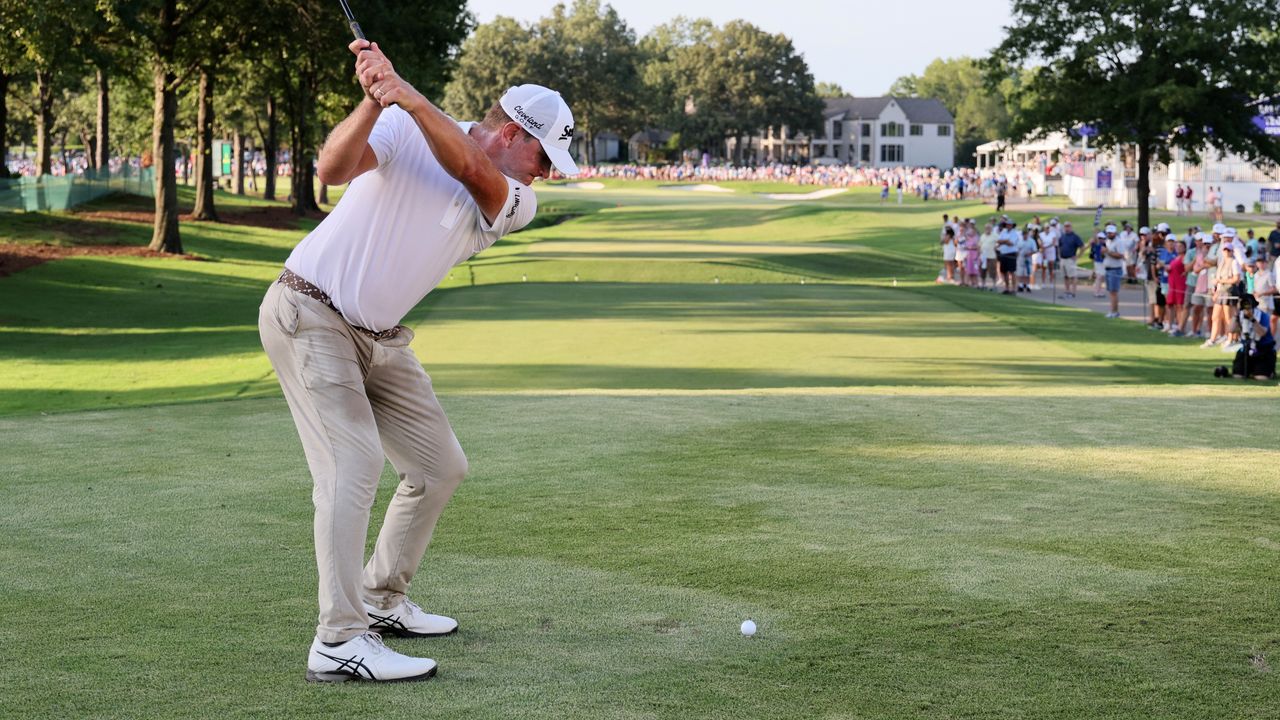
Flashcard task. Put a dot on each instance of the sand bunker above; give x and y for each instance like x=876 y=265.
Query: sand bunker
x=585 y=185
x=815 y=195
x=697 y=188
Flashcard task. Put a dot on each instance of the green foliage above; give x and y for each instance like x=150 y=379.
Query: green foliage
x=713 y=83
x=588 y=54
x=1157 y=74
x=981 y=113
x=826 y=90
x=585 y=51
x=422 y=37
x=495 y=57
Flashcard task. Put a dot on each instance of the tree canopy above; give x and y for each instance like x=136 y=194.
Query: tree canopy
x=1152 y=74
x=981 y=111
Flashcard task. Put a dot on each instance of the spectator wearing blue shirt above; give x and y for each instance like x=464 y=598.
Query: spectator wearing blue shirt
x=1097 y=253
x=1069 y=245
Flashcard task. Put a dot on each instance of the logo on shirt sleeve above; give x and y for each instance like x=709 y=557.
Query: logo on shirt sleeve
x=514 y=206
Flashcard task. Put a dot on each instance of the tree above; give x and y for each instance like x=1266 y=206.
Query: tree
x=308 y=72
x=11 y=61
x=588 y=54
x=45 y=35
x=827 y=90
x=719 y=83
x=162 y=29
x=1152 y=74
x=981 y=112
x=495 y=57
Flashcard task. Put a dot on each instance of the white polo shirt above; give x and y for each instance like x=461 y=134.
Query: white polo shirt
x=399 y=228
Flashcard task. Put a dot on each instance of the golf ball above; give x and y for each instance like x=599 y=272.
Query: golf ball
x=748 y=627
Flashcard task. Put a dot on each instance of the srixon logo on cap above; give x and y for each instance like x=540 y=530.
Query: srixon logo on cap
x=526 y=118
x=567 y=134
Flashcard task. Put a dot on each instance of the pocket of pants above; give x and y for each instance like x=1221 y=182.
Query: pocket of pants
x=328 y=360
x=279 y=309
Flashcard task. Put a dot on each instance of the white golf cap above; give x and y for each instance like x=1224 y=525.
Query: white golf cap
x=1162 y=227
x=1172 y=237
x=546 y=116
x=1219 y=228
x=1111 y=228
x=1229 y=232
x=1144 y=230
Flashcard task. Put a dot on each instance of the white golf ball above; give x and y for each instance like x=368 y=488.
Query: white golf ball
x=748 y=628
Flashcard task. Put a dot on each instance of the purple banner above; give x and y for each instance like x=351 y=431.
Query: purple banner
x=1268 y=118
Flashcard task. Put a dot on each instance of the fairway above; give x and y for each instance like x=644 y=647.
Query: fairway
x=681 y=410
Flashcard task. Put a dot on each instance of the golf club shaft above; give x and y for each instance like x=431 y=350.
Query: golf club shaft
x=351 y=20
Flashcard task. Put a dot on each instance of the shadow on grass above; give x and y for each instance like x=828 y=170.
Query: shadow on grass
x=91 y=293
x=50 y=400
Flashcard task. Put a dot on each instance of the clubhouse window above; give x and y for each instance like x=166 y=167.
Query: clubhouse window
x=891 y=153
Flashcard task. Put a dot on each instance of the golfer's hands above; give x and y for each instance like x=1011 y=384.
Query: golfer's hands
x=379 y=79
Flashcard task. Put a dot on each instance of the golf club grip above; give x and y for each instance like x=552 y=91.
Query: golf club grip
x=355 y=30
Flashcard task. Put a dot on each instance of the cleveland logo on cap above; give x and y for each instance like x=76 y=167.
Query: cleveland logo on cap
x=526 y=118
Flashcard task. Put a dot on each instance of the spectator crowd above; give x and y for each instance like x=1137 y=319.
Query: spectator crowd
x=1217 y=285
x=895 y=183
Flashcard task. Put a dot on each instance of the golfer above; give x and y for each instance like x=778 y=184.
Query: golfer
x=426 y=193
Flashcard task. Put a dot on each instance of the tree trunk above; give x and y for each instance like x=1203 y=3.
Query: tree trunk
x=62 y=153
x=204 y=209
x=269 y=152
x=303 y=194
x=300 y=111
x=165 y=236
x=102 y=149
x=324 y=194
x=237 y=163
x=90 y=148
x=186 y=164
x=4 y=124
x=1144 y=185
x=44 y=122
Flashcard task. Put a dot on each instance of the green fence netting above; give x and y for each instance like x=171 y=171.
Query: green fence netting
x=52 y=192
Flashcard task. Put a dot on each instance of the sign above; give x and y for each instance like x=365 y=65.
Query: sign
x=222 y=157
x=1268 y=118
x=1104 y=179
x=1269 y=195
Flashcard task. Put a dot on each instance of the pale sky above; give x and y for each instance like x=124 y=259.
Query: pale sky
x=862 y=45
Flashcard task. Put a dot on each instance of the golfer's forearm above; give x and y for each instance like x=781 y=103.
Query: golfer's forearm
x=458 y=154
x=340 y=157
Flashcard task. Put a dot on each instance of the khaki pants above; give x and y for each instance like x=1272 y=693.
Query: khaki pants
x=355 y=400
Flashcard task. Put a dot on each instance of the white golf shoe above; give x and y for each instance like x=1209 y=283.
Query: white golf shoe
x=365 y=658
x=409 y=621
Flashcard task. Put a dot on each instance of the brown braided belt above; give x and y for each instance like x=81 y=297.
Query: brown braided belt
x=297 y=283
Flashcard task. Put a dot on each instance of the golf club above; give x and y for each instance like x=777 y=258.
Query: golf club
x=351 y=20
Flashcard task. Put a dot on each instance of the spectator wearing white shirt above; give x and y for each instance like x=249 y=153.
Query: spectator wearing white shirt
x=1114 y=253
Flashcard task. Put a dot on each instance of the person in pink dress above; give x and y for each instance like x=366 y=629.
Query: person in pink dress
x=972 y=259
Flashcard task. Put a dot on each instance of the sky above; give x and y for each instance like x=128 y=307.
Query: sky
x=859 y=44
